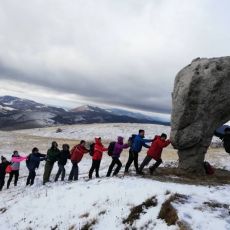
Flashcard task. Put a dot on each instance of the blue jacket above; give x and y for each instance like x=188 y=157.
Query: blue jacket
x=138 y=143
x=34 y=159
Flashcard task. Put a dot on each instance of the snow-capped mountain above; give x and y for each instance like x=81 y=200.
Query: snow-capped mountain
x=15 y=103
x=122 y=112
x=116 y=115
x=84 y=108
x=17 y=113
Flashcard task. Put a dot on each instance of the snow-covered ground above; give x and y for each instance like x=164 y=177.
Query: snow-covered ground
x=104 y=203
x=106 y=131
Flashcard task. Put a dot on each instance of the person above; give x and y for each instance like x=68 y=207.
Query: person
x=32 y=164
x=225 y=137
x=63 y=157
x=77 y=154
x=3 y=166
x=135 y=149
x=155 y=151
x=52 y=155
x=15 y=165
x=97 y=156
x=118 y=148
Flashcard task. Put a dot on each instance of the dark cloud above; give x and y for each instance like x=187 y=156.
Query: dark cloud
x=123 y=53
x=132 y=94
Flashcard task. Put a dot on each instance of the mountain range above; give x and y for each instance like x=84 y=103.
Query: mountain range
x=18 y=113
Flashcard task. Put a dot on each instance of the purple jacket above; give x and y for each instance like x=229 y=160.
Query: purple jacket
x=119 y=146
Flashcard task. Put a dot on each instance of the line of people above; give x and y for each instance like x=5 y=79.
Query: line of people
x=135 y=144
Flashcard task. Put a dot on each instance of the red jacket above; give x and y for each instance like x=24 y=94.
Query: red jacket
x=77 y=153
x=157 y=147
x=98 y=150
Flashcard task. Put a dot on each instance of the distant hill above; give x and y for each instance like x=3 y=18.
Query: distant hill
x=18 y=113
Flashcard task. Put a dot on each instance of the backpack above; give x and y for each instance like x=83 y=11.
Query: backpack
x=91 y=149
x=131 y=140
x=208 y=168
x=111 y=148
x=28 y=161
x=8 y=169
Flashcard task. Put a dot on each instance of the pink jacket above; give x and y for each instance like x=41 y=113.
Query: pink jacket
x=16 y=162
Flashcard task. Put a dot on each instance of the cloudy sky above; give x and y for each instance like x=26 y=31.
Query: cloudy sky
x=122 y=53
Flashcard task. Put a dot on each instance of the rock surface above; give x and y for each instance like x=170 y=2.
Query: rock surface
x=201 y=103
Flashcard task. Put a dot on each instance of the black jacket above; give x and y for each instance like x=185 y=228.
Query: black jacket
x=226 y=141
x=63 y=156
x=3 y=167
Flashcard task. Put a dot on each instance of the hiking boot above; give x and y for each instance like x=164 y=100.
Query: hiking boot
x=140 y=173
x=151 y=171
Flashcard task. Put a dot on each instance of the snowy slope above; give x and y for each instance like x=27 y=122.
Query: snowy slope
x=6 y=108
x=108 y=201
x=106 y=131
x=104 y=202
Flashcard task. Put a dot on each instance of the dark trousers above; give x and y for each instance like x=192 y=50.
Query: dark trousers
x=2 y=181
x=61 y=171
x=114 y=162
x=48 y=169
x=132 y=157
x=31 y=177
x=146 y=162
x=95 y=166
x=15 y=174
x=74 y=171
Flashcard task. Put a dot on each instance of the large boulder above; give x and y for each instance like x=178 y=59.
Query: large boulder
x=201 y=103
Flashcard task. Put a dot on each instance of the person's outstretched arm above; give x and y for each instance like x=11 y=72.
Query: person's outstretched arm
x=125 y=146
x=42 y=155
x=146 y=146
x=18 y=159
x=146 y=140
x=101 y=148
x=86 y=150
x=164 y=144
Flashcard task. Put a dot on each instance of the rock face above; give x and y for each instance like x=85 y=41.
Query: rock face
x=201 y=103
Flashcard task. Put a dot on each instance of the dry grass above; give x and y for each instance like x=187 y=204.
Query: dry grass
x=216 y=205
x=168 y=213
x=169 y=174
x=85 y=215
x=167 y=192
x=73 y=227
x=2 y=210
x=219 y=209
x=89 y=225
x=54 y=228
x=102 y=213
x=183 y=225
x=147 y=225
x=136 y=211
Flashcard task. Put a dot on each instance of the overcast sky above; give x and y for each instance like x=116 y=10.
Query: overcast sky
x=119 y=52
